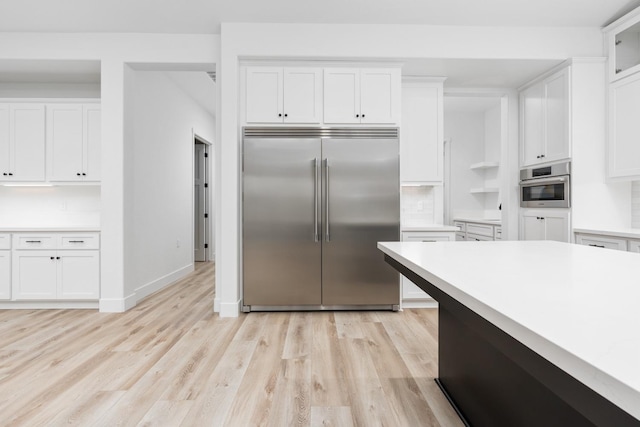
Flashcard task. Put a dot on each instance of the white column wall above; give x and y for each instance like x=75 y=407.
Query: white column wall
x=352 y=42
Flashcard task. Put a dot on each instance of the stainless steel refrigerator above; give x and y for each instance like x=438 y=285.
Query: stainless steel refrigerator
x=315 y=203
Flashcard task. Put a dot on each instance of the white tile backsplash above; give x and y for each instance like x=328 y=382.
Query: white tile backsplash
x=635 y=204
x=417 y=205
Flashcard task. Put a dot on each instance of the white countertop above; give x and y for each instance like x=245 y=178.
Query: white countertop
x=629 y=233
x=430 y=227
x=577 y=306
x=480 y=221
x=46 y=229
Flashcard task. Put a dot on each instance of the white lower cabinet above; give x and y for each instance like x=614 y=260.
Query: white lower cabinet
x=412 y=295
x=5 y=275
x=600 y=239
x=544 y=224
x=601 y=242
x=45 y=269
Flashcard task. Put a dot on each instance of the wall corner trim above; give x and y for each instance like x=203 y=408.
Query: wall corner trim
x=230 y=309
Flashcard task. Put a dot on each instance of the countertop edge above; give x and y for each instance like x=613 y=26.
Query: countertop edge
x=630 y=233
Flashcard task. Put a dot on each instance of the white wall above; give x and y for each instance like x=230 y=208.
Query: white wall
x=164 y=120
x=596 y=202
x=492 y=147
x=466 y=131
x=635 y=204
x=116 y=52
x=59 y=206
x=49 y=90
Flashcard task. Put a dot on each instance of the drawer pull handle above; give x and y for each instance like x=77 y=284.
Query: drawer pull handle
x=596 y=246
x=76 y=241
x=34 y=241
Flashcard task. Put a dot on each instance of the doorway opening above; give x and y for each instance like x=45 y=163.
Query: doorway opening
x=201 y=201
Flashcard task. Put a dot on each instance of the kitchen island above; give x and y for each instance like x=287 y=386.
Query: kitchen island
x=533 y=333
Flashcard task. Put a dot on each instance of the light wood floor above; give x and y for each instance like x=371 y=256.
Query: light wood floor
x=171 y=361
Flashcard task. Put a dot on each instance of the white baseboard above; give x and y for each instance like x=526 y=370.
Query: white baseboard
x=117 y=305
x=216 y=305
x=154 y=286
x=36 y=305
x=229 y=309
x=422 y=303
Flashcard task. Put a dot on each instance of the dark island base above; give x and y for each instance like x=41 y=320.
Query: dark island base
x=494 y=380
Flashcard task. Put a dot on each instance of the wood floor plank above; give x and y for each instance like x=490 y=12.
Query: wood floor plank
x=171 y=361
x=327 y=364
x=331 y=416
x=213 y=405
x=166 y=413
x=292 y=402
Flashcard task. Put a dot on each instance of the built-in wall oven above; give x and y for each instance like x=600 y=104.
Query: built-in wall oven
x=546 y=186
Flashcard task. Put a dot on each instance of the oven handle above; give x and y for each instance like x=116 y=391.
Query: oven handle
x=539 y=181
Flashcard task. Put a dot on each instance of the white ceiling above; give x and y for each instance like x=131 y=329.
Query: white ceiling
x=205 y=16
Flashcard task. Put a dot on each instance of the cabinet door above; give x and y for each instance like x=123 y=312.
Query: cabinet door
x=556 y=116
x=379 y=95
x=531 y=100
x=78 y=275
x=302 y=95
x=92 y=145
x=27 y=142
x=5 y=152
x=624 y=127
x=532 y=227
x=556 y=228
x=342 y=95
x=64 y=142
x=634 y=246
x=34 y=275
x=5 y=275
x=264 y=95
x=421 y=148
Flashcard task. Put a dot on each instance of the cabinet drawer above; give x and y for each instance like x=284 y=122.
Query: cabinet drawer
x=34 y=241
x=408 y=236
x=479 y=238
x=461 y=225
x=461 y=236
x=480 y=229
x=498 y=233
x=634 y=246
x=5 y=241
x=602 y=242
x=80 y=241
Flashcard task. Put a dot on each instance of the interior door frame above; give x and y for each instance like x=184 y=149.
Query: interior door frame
x=209 y=255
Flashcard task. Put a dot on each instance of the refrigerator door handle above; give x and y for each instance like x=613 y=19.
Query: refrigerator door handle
x=315 y=201
x=327 y=236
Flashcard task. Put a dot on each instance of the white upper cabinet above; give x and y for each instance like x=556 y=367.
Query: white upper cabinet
x=623 y=45
x=421 y=139
x=92 y=143
x=362 y=95
x=624 y=128
x=73 y=142
x=283 y=95
x=23 y=151
x=546 y=120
